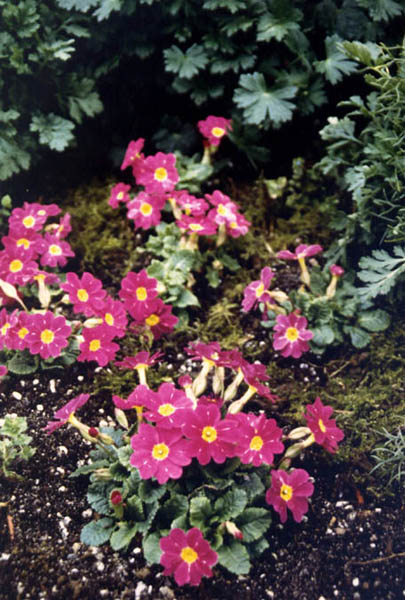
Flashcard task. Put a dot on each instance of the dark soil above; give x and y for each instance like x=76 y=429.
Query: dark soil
x=349 y=546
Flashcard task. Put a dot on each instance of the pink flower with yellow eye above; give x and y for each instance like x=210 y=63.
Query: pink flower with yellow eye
x=291 y=335
x=23 y=240
x=257 y=291
x=159 y=173
x=16 y=266
x=8 y=321
x=114 y=316
x=17 y=334
x=225 y=210
x=160 y=453
x=141 y=360
x=240 y=226
x=85 y=293
x=119 y=193
x=323 y=428
x=214 y=128
x=159 y=318
x=199 y=225
x=290 y=490
x=167 y=407
x=47 y=334
x=211 y=437
x=187 y=556
x=64 y=414
x=134 y=157
x=260 y=439
x=190 y=204
x=137 y=291
x=145 y=209
x=210 y=353
x=98 y=345
x=54 y=251
x=301 y=251
x=140 y=396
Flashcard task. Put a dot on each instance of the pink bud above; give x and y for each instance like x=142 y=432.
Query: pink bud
x=93 y=431
x=116 y=497
x=336 y=270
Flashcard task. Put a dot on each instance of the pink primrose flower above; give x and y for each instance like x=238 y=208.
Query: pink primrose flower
x=114 y=316
x=291 y=335
x=16 y=336
x=159 y=173
x=47 y=334
x=301 y=251
x=86 y=294
x=160 y=319
x=16 y=266
x=190 y=204
x=290 y=491
x=210 y=436
x=324 y=429
x=24 y=240
x=140 y=396
x=200 y=224
x=98 y=345
x=31 y=216
x=256 y=291
x=207 y=352
x=8 y=321
x=232 y=359
x=137 y=291
x=187 y=556
x=145 y=209
x=160 y=453
x=63 y=228
x=214 y=129
x=336 y=270
x=240 y=226
x=119 y=193
x=141 y=360
x=224 y=211
x=134 y=157
x=260 y=439
x=253 y=375
x=167 y=407
x=63 y=415
x=54 y=251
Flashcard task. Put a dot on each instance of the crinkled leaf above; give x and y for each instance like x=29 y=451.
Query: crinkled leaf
x=234 y=557
x=231 y=504
x=98 y=532
x=150 y=491
x=151 y=548
x=374 y=320
x=123 y=536
x=201 y=510
x=359 y=337
x=54 y=131
x=86 y=469
x=23 y=363
x=253 y=523
x=135 y=508
x=279 y=24
x=366 y=53
x=323 y=335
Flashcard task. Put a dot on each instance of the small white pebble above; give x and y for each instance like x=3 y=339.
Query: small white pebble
x=61 y=450
x=35 y=381
x=356 y=582
x=40 y=407
x=80 y=378
x=16 y=395
x=52 y=386
x=4 y=556
x=62 y=488
x=100 y=566
x=86 y=514
x=140 y=588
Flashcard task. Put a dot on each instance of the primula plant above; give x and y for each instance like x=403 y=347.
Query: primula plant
x=193 y=240
x=186 y=470
x=14 y=444
x=323 y=311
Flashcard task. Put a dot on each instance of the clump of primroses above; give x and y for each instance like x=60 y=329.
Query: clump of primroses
x=291 y=335
x=33 y=250
x=179 y=437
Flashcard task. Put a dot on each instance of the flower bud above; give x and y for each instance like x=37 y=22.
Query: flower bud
x=233 y=530
x=102 y=474
x=93 y=431
x=116 y=497
x=298 y=433
x=121 y=418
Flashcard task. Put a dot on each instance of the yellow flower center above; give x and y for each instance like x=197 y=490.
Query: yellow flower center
x=120 y=195
x=286 y=492
x=188 y=555
x=109 y=319
x=41 y=212
x=209 y=434
x=47 y=336
x=292 y=334
x=160 y=451
x=146 y=209
x=23 y=242
x=55 y=250
x=161 y=174
x=233 y=225
x=15 y=265
x=94 y=345
x=222 y=210
x=82 y=295
x=4 y=328
x=141 y=293
x=218 y=131
x=321 y=426
x=39 y=277
x=259 y=290
x=152 y=320
x=166 y=409
x=22 y=332
x=256 y=443
x=28 y=221
x=195 y=227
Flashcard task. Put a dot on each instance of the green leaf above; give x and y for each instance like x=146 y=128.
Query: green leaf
x=382 y=10
x=86 y=469
x=234 y=557
x=231 y=504
x=279 y=24
x=201 y=510
x=175 y=507
x=98 y=532
x=135 y=508
x=54 y=131
x=151 y=548
x=374 y=320
x=83 y=100
x=381 y=272
x=253 y=523
x=123 y=536
x=366 y=53
x=359 y=337
x=150 y=491
x=23 y=363
x=323 y=335
x=336 y=64
x=97 y=497
x=259 y=102
x=252 y=485
x=186 y=298
x=187 y=64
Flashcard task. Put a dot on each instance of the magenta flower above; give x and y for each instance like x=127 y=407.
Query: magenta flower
x=16 y=338
x=324 y=429
x=240 y=226
x=145 y=209
x=190 y=204
x=64 y=414
x=159 y=173
x=48 y=334
x=214 y=129
x=137 y=290
x=16 y=266
x=98 y=345
x=210 y=436
x=3 y=371
x=160 y=453
x=140 y=396
x=187 y=556
x=86 y=294
x=225 y=210
x=119 y=193
x=207 y=352
x=253 y=375
x=336 y=270
x=134 y=157
x=54 y=251
x=63 y=228
x=8 y=322
x=167 y=407
x=291 y=335
x=290 y=491
x=23 y=240
x=301 y=251
x=256 y=291
x=141 y=360
x=114 y=316
x=260 y=439
x=160 y=319
x=31 y=216
x=200 y=225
